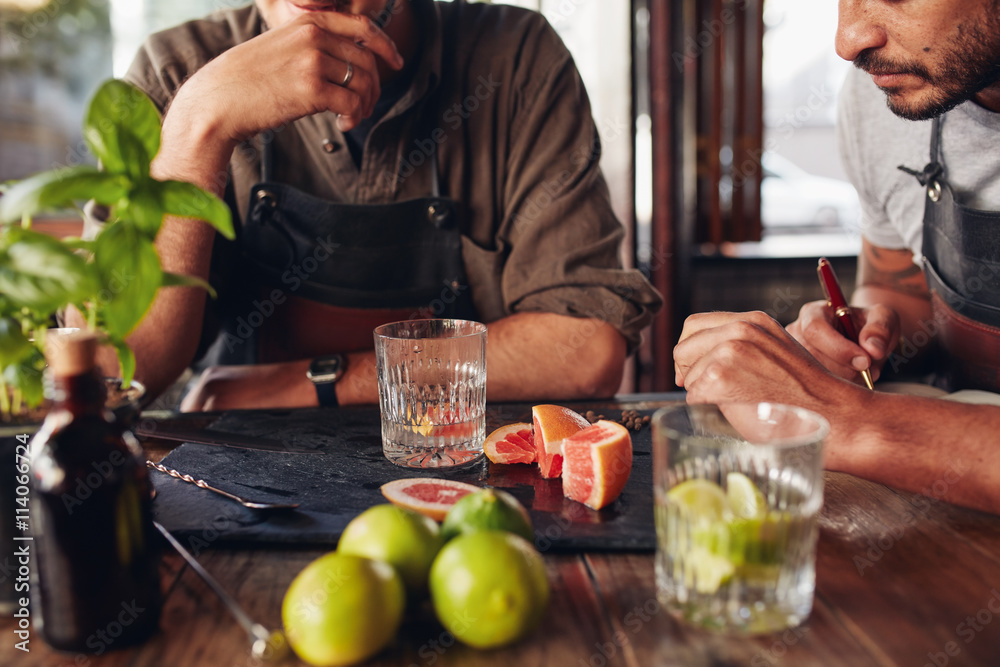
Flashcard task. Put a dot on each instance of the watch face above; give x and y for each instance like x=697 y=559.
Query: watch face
x=326 y=369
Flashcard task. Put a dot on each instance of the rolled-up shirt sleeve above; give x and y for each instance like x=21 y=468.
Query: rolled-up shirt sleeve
x=564 y=240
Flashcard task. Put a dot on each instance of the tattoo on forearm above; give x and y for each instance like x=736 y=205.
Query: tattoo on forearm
x=892 y=269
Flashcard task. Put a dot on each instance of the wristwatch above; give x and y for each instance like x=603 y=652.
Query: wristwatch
x=324 y=372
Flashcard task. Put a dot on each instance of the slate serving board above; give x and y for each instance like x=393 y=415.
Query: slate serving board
x=343 y=476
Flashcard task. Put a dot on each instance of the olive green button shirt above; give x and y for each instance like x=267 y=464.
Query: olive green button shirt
x=498 y=97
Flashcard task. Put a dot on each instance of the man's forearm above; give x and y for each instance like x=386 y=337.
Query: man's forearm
x=889 y=277
x=166 y=341
x=530 y=356
x=533 y=356
x=943 y=449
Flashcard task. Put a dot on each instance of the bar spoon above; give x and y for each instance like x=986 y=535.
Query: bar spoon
x=254 y=505
x=268 y=645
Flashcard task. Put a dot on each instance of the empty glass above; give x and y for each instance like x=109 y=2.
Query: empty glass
x=432 y=391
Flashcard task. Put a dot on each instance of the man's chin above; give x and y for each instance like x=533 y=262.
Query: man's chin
x=914 y=107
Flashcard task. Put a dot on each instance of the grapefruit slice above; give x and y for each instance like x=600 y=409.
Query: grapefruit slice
x=513 y=443
x=553 y=423
x=597 y=464
x=431 y=496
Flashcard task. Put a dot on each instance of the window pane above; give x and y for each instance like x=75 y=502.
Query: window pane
x=50 y=62
x=805 y=189
x=133 y=20
x=53 y=55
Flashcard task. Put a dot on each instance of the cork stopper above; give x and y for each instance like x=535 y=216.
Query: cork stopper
x=71 y=354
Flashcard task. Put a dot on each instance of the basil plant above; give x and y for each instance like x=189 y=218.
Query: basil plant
x=111 y=279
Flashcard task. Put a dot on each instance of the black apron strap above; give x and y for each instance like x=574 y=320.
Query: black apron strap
x=936 y=140
x=266 y=159
x=930 y=175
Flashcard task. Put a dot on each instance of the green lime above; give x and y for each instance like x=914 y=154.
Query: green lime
x=701 y=501
x=400 y=537
x=763 y=540
x=342 y=609
x=745 y=499
x=705 y=571
x=489 y=509
x=702 y=533
x=489 y=588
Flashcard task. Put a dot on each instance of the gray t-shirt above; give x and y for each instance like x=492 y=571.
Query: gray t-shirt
x=874 y=141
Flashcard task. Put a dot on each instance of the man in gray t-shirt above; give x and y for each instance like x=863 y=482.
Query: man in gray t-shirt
x=874 y=142
x=919 y=61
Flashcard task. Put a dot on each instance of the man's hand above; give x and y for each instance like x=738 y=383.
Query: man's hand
x=731 y=357
x=248 y=387
x=878 y=335
x=289 y=72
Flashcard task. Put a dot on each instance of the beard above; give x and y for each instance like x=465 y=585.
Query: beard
x=970 y=64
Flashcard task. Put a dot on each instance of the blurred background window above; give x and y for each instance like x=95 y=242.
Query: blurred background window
x=804 y=190
x=53 y=55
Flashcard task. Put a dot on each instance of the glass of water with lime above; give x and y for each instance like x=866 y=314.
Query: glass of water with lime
x=737 y=489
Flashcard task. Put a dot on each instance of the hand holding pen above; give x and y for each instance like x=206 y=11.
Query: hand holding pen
x=836 y=301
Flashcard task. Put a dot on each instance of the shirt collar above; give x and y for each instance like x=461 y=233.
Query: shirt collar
x=428 y=75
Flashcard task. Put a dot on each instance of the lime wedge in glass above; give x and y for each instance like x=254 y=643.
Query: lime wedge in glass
x=745 y=499
x=702 y=515
x=703 y=502
x=704 y=571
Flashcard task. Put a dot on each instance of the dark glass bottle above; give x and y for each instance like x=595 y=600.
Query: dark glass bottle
x=97 y=558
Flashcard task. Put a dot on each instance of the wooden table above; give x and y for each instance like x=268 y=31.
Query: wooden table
x=902 y=579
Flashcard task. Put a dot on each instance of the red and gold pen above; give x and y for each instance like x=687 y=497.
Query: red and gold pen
x=835 y=299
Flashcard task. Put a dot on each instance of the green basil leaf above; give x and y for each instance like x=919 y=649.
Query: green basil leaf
x=189 y=201
x=61 y=188
x=145 y=209
x=178 y=280
x=27 y=376
x=14 y=345
x=74 y=243
x=122 y=128
x=39 y=273
x=126 y=360
x=129 y=272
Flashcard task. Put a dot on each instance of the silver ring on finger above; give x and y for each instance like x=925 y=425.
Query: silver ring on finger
x=347 y=77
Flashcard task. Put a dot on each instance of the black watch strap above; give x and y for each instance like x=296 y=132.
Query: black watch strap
x=324 y=373
x=326 y=392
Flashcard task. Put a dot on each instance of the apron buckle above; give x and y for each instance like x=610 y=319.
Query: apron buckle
x=267 y=198
x=934 y=191
x=437 y=214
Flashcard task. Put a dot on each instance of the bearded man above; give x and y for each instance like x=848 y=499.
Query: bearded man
x=920 y=135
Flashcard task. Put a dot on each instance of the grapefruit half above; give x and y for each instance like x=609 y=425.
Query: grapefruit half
x=513 y=443
x=597 y=463
x=553 y=423
x=431 y=496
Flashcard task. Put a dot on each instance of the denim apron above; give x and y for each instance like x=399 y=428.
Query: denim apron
x=338 y=271
x=961 y=258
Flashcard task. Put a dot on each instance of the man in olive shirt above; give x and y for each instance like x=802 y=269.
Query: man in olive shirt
x=379 y=101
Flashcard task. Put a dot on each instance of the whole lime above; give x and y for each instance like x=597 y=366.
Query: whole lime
x=342 y=609
x=489 y=588
x=400 y=537
x=489 y=509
